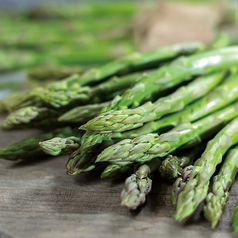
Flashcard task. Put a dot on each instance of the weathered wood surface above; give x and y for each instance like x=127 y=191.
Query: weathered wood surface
x=38 y=199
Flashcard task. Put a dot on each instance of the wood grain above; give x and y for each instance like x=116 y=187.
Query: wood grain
x=38 y=199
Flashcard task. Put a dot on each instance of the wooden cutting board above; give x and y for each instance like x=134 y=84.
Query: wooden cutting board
x=38 y=199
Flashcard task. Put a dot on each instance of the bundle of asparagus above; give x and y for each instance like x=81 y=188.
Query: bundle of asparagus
x=146 y=114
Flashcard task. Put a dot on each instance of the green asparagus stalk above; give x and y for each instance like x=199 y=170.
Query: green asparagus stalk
x=145 y=59
x=147 y=147
x=235 y=218
x=32 y=117
x=182 y=69
x=178 y=71
x=82 y=113
x=121 y=120
x=82 y=161
x=216 y=200
x=57 y=145
x=29 y=148
x=42 y=118
x=171 y=168
x=218 y=98
x=114 y=170
x=146 y=84
x=179 y=184
x=66 y=94
x=90 y=140
x=131 y=63
x=139 y=61
x=75 y=94
x=79 y=160
x=11 y=102
x=8 y=102
x=47 y=73
x=138 y=185
x=221 y=96
x=197 y=185
x=60 y=99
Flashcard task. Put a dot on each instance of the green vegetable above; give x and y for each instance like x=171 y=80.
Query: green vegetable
x=141 y=61
x=149 y=146
x=82 y=113
x=114 y=170
x=172 y=166
x=121 y=120
x=179 y=70
x=82 y=161
x=138 y=185
x=57 y=145
x=30 y=117
x=221 y=96
x=196 y=188
x=216 y=200
x=29 y=148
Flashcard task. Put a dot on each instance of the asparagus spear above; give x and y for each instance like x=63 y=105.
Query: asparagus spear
x=147 y=147
x=121 y=120
x=57 y=145
x=32 y=117
x=179 y=184
x=33 y=97
x=218 y=98
x=173 y=165
x=182 y=69
x=29 y=148
x=65 y=94
x=46 y=73
x=75 y=94
x=82 y=161
x=138 y=185
x=221 y=96
x=139 y=61
x=82 y=113
x=113 y=170
x=56 y=99
x=235 y=218
x=61 y=98
x=47 y=118
x=216 y=200
x=133 y=62
x=197 y=185
x=178 y=71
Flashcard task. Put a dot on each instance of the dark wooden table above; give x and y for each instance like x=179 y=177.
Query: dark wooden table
x=38 y=199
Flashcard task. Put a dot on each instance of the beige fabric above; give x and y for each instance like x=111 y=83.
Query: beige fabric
x=174 y=22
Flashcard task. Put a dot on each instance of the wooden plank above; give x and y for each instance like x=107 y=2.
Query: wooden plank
x=38 y=199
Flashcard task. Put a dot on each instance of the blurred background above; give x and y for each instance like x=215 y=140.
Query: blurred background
x=42 y=41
